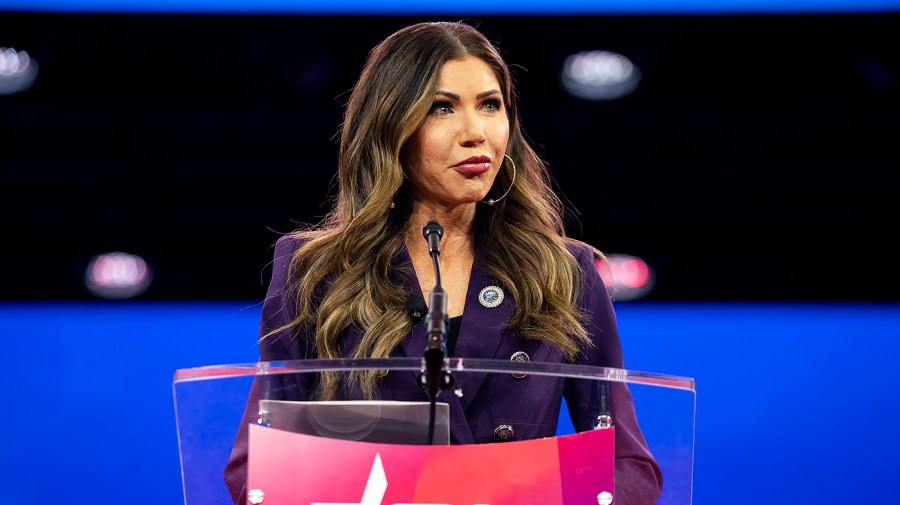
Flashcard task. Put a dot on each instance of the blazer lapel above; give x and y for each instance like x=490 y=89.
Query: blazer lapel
x=482 y=329
x=414 y=343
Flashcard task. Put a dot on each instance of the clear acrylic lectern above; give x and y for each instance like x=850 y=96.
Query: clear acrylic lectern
x=211 y=401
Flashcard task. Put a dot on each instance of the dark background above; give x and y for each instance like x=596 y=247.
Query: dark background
x=757 y=160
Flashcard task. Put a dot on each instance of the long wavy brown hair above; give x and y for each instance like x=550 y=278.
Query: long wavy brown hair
x=344 y=275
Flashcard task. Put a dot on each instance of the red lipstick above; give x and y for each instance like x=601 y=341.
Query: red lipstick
x=474 y=165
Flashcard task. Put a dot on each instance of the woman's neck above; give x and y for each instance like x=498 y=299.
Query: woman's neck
x=457 y=255
x=457 y=239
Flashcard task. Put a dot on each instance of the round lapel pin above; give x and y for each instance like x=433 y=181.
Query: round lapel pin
x=491 y=296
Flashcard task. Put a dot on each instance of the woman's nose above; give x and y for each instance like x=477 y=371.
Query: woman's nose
x=472 y=130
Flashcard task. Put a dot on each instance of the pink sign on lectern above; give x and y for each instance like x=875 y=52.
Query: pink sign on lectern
x=287 y=468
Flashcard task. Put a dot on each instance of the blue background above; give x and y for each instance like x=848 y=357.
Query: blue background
x=463 y=6
x=795 y=402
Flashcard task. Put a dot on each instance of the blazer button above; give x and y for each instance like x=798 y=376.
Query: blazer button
x=521 y=357
x=503 y=433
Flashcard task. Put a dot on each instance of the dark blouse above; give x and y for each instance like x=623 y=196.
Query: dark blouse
x=453 y=334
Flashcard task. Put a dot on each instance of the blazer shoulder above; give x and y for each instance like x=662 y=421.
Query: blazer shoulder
x=583 y=251
x=292 y=241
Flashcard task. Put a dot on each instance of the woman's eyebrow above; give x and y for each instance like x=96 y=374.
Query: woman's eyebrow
x=447 y=94
x=487 y=93
x=479 y=96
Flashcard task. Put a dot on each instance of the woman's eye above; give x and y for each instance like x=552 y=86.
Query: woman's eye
x=441 y=108
x=494 y=104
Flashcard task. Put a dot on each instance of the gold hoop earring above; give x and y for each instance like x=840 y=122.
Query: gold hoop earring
x=492 y=201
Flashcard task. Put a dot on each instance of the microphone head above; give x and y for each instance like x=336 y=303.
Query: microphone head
x=415 y=307
x=433 y=227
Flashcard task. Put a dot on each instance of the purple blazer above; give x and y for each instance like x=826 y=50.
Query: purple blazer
x=530 y=406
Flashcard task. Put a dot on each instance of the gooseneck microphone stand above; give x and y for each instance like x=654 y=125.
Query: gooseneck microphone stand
x=434 y=378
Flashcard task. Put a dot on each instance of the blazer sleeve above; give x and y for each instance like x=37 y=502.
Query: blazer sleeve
x=277 y=310
x=638 y=479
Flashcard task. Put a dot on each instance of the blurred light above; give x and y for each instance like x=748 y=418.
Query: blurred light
x=599 y=75
x=626 y=277
x=17 y=71
x=117 y=275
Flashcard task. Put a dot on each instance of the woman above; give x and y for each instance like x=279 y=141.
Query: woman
x=432 y=132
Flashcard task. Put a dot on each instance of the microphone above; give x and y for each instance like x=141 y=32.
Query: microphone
x=433 y=233
x=415 y=307
x=437 y=306
x=432 y=379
